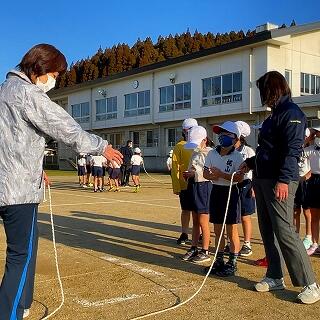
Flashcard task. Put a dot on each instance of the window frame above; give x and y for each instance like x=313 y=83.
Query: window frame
x=137 y=110
x=82 y=118
x=306 y=84
x=107 y=115
x=222 y=97
x=172 y=105
x=289 y=78
x=177 y=134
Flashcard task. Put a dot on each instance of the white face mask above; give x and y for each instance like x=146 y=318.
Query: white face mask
x=317 y=142
x=50 y=84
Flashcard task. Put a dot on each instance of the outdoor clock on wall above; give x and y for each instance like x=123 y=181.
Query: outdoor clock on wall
x=135 y=84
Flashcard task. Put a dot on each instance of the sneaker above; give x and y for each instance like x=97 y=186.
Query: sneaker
x=309 y=294
x=226 y=249
x=307 y=242
x=111 y=189
x=85 y=186
x=261 y=262
x=95 y=190
x=101 y=190
x=228 y=270
x=90 y=184
x=26 y=313
x=182 y=239
x=202 y=256
x=116 y=190
x=217 y=266
x=245 y=251
x=136 y=189
x=191 y=253
x=312 y=249
x=269 y=284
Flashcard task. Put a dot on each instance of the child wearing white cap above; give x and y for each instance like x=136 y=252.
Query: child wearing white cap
x=313 y=198
x=220 y=164
x=180 y=161
x=81 y=169
x=201 y=190
x=300 y=200
x=136 y=162
x=97 y=171
x=247 y=200
x=169 y=161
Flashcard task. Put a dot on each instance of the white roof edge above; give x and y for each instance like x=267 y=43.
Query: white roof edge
x=314 y=26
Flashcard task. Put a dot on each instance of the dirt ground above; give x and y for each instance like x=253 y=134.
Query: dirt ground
x=119 y=260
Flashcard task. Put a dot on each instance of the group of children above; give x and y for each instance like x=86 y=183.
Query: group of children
x=208 y=176
x=97 y=167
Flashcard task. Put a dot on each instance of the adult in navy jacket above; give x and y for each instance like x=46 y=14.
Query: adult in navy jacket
x=275 y=182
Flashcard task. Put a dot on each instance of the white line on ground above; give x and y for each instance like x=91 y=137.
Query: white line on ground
x=117 y=200
x=163 y=291
x=132 y=266
x=75 y=204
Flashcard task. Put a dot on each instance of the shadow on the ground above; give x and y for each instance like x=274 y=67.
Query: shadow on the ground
x=84 y=230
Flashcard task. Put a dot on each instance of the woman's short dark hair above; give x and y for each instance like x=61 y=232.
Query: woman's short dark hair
x=42 y=59
x=272 y=87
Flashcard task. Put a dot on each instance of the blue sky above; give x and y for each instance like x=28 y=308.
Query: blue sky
x=79 y=28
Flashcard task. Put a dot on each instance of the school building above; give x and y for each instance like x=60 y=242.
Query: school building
x=148 y=104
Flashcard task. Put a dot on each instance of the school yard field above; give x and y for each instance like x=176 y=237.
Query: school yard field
x=119 y=259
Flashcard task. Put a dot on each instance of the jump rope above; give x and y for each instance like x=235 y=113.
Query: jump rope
x=149 y=314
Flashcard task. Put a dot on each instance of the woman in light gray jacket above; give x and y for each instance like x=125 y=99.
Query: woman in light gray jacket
x=27 y=115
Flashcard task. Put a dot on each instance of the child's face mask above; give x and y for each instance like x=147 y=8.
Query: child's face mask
x=225 y=140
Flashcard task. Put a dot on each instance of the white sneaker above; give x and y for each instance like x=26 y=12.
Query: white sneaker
x=26 y=313
x=309 y=294
x=268 y=284
x=307 y=242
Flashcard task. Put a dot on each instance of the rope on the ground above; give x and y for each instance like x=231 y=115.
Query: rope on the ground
x=56 y=258
x=151 y=176
x=206 y=277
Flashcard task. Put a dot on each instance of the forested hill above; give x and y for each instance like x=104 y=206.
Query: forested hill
x=122 y=57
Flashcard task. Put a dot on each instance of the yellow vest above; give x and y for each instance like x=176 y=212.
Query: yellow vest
x=180 y=162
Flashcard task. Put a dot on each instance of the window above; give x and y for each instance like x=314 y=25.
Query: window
x=115 y=139
x=152 y=138
x=175 y=97
x=106 y=109
x=135 y=138
x=288 y=75
x=309 y=83
x=81 y=112
x=226 y=88
x=137 y=104
x=174 y=135
x=313 y=84
x=311 y=122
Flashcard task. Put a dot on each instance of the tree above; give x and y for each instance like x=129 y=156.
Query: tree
x=122 y=58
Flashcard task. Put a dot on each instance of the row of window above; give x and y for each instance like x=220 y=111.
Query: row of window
x=226 y=88
x=216 y=90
